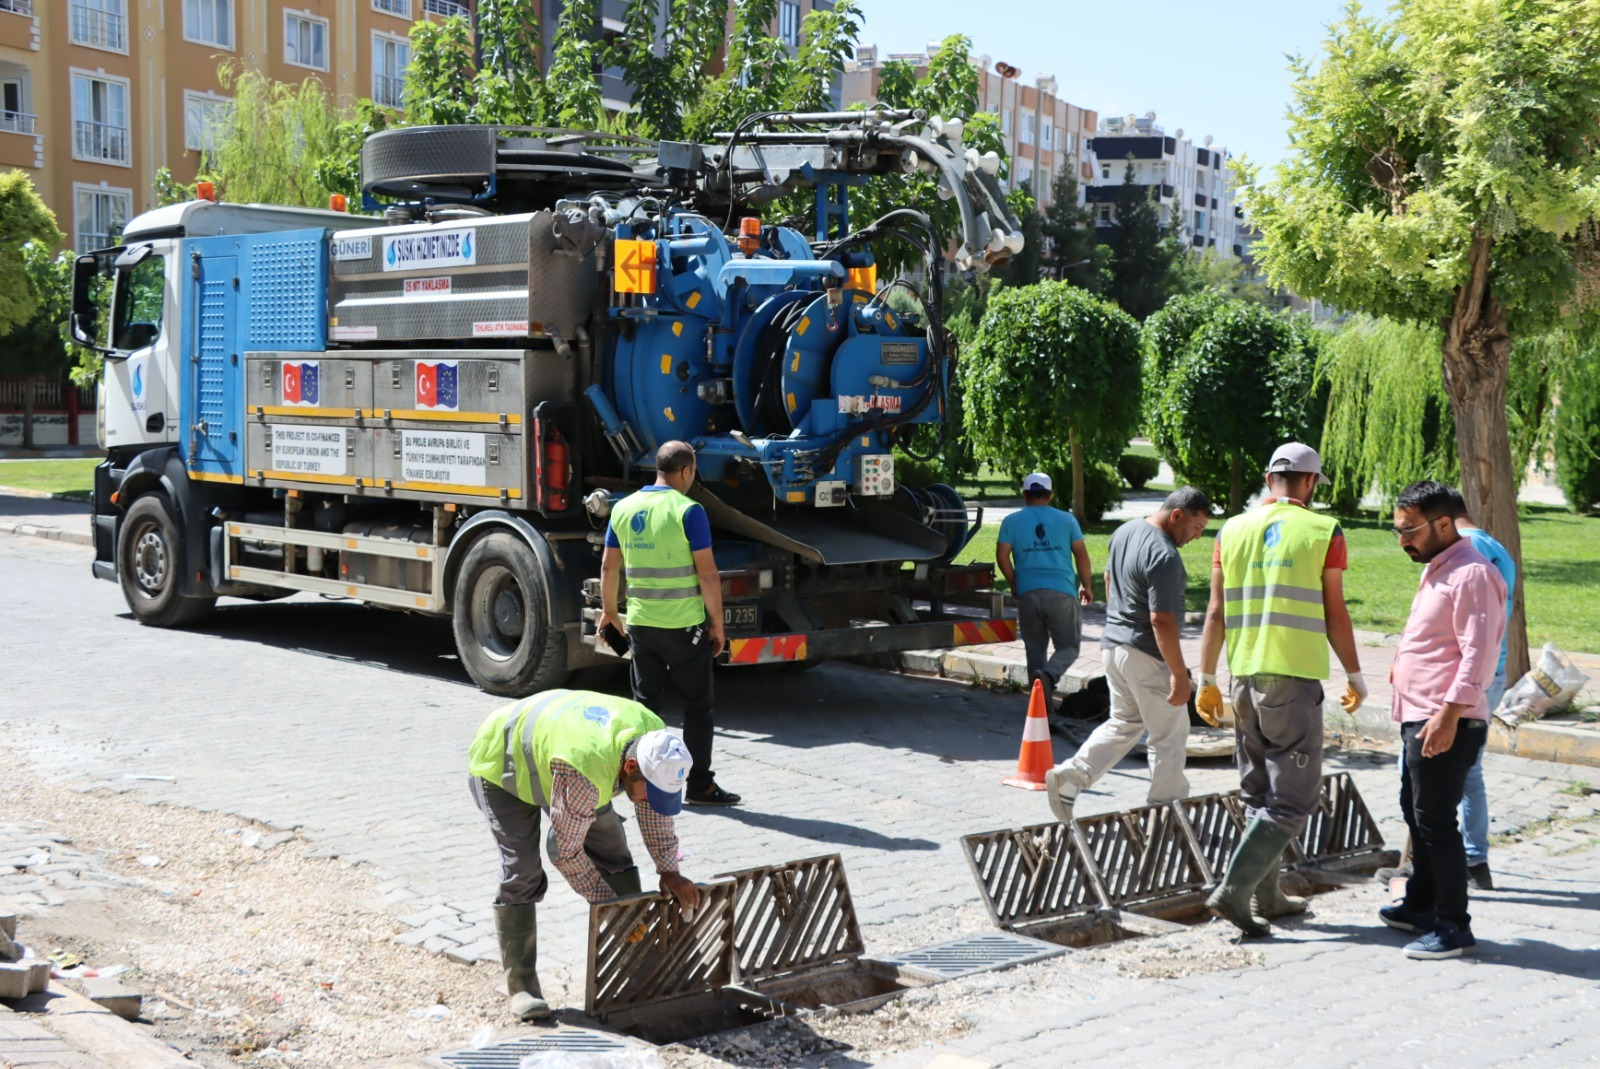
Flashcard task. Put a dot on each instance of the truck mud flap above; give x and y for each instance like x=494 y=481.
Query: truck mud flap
x=861 y=641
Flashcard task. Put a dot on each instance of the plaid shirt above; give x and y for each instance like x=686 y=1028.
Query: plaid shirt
x=573 y=800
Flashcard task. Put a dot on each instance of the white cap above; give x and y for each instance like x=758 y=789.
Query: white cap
x=1298 y=458
x=1037 y=481
x=665 y=762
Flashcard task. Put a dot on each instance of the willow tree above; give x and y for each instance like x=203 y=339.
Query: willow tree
x=1443 y=171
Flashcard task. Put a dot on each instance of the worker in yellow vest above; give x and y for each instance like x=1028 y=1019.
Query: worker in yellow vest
x=1277 y=599
x=661 y=538
x=568 y=753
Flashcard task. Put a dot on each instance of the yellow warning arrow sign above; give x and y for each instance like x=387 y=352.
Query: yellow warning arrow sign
x=636 y=266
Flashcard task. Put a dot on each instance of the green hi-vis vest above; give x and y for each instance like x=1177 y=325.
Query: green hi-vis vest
x=588 y=731
x=1272 y=558
x=663 y=589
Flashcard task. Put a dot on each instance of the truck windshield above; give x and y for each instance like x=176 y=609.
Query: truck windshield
x=141 y=297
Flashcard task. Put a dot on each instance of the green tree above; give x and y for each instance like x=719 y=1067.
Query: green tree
x=666 y=86
x=1226 y=382
x=1076 y=254
x=35 y=350
x=1577 y=433
x=1051 y=358
x=1222 y=274
x=1143 y=254
x=1443 y=170
x=23 y=219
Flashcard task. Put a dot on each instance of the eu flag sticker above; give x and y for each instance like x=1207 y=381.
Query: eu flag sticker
x=438 y=386
x=300 y=383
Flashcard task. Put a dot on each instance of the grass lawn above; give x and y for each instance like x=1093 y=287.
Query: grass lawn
x=74 y=478
x=1561 y=555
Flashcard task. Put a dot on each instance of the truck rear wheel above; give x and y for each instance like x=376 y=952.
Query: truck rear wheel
x=501 y=620
x=150 y=564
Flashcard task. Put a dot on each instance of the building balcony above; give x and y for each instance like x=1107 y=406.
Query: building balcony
x=1199 y=200
x=388 y=91
x=18 y=122
x=99 y=29
x=23 y=150
x=446 y=9
x=17 y=7
x=101 y=142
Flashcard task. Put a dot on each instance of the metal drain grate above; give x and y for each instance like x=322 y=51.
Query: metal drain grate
x=975 y=954
x=792 y=916
x=509 y=1055
x=1340 y=826
x=1030 y=874
x=1143 y=853
x=642 y=949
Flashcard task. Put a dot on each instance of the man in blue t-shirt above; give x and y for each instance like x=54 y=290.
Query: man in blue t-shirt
x=1475 y=800
x=1036 y=552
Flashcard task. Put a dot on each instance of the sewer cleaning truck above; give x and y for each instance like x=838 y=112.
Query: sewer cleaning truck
x=433 y=408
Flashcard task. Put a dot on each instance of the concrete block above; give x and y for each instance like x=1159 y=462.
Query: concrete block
x=8 y=924
x=14 y=980
x=38 y=974
x=108 y=994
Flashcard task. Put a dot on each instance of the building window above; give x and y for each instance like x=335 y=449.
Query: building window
x=401 y=8
x=1105 y=213
x=390 y=55
x=100 y=214
x=1005 y=123
x=305 y=41
x=789 y=22
x=447 y=9
x=1025 y=174
x=1047 y=134
x=1199 y=221
x=1027 y=130
x=17 y=7
x=1045 y=188
x=208 y=22
x=1105 y=170
x=204 y=115
x=100 y=120
x=14 y=115
x=100 y=24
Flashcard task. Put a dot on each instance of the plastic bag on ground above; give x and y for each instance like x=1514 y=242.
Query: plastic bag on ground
x=638 y=1058
x=1550 y=684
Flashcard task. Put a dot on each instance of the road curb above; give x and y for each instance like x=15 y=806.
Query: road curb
x=54 y=534
x=1550 y=740
x=40 y=495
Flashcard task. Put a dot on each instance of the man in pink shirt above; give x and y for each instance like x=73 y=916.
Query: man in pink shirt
x=1443 y=667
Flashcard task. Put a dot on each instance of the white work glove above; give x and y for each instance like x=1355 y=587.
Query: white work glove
x=1209 y=701
x=1355 y=692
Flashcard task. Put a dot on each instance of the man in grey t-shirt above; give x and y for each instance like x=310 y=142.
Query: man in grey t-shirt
x=1149 y=682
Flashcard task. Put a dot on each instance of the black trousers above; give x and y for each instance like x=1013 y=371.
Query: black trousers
x=681 y=656
x=1430 y=793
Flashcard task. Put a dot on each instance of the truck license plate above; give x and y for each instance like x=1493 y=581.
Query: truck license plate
x=739 y=616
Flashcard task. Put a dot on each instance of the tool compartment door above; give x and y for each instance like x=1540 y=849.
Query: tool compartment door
x=214 y=402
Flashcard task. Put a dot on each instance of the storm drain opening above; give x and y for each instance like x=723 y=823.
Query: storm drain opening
x=509 y=1054
x=974 y=954
x=1147 y=871
x=768 y=942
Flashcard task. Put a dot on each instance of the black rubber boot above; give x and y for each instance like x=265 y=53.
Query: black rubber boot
x=519 y=954
x=1270 y=901
x=623 y=883
x=1258 y=852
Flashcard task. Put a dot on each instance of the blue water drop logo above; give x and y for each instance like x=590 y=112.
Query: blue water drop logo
x=138 y=381
x=598 y=714
x=1273 y=534
x=637 y=523
x=466 y=246
x=391 y=254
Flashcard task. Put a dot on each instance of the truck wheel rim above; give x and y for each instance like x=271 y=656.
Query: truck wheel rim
x=150 y=560
x=501 y=614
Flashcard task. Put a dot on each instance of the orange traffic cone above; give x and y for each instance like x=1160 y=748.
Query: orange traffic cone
x=1037 y=756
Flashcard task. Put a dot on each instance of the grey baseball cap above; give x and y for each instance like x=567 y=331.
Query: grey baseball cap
x=1299 y=458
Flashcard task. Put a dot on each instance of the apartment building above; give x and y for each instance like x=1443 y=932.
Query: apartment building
x=1045 y=136
x=1191 y=183
x=97 y=95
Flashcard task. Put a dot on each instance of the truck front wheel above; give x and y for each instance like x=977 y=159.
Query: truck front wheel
x=501 y=621
x=150 y=564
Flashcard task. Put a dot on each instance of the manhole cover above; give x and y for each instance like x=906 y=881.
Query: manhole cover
x=509 y=1055
x=974 y=954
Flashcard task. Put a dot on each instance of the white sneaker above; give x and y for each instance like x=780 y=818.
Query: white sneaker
x=1060 y=795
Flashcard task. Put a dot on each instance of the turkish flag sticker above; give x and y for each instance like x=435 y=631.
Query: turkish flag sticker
x=427 y=385
x=291 y=383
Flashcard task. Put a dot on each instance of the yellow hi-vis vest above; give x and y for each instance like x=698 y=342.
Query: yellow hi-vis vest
x=588 y=731
x=1272 y=562
x=663 y=587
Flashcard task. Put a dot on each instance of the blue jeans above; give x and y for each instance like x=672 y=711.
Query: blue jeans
x=1475 y=801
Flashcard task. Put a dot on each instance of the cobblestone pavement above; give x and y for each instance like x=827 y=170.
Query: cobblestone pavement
x=351 y=725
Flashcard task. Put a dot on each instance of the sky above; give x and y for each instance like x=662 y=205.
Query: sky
x=1206 y=67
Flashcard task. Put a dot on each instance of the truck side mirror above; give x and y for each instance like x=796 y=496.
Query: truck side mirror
x=84 y=312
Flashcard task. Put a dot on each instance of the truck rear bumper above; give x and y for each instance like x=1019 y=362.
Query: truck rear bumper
x=860 y=641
